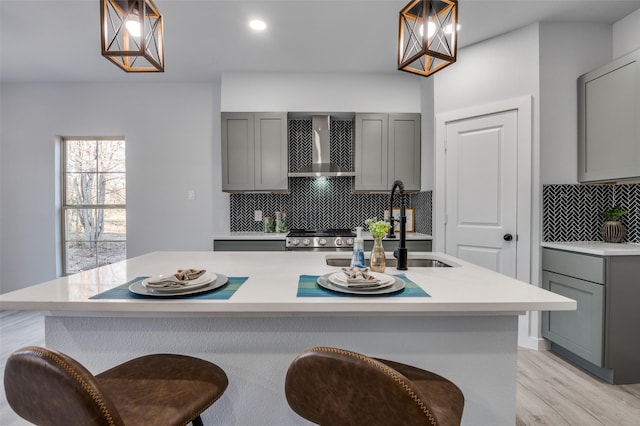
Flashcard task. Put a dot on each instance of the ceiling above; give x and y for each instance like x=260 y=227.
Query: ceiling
x=59 y=40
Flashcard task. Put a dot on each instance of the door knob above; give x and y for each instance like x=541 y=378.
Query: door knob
x=508 y=237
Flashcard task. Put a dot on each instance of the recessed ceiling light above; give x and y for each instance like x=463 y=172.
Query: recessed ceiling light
x=257 y=24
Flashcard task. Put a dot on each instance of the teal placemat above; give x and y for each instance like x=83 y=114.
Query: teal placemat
x=308 y=287
x=221 y=293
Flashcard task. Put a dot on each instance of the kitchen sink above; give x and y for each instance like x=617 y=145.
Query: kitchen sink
x=392 y=262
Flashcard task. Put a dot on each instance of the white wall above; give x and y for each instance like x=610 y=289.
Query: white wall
x=499 y=68
x=173 y=144
x=567 y=50
x=626 y=34
x=1 y=191
x=397 y=92
x=427 y=133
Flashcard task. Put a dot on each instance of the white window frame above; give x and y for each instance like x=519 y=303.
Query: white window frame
x=66 y=207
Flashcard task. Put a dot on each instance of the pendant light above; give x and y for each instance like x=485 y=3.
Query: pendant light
x=428 y=39
x=131 y=35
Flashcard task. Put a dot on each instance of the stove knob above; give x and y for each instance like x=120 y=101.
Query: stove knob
x=338 y=241
x=350 y=241
x=295 y=242
x=322 y=241
x=306 y=242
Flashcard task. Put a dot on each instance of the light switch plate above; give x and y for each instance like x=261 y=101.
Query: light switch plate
x=257 y=215
x=191 y=194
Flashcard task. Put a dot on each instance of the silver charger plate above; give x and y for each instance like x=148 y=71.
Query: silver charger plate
x=138 y=288
x=323 y=281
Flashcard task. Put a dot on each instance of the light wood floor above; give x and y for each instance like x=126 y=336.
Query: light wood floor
x=17 y=329
x=551 y=391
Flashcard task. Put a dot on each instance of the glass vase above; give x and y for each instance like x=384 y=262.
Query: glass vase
x=281 y=221
x=378 y=262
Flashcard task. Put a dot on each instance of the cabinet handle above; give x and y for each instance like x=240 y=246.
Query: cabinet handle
x=508 y=237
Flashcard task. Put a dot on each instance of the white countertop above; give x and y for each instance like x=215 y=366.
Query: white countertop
x=272 y=286
x=282 y=236
x=596 y=247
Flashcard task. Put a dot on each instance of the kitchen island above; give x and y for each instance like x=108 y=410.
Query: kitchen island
x=464 y=328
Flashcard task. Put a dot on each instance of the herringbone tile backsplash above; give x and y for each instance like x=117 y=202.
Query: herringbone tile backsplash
x=572 y=212
x=322 y=203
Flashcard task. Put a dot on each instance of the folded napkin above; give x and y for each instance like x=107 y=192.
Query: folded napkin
x=191 y=274
x=179 y=279
x=360 y=276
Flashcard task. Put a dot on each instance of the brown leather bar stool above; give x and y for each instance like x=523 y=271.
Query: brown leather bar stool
x=49 y=388
x=331 y=386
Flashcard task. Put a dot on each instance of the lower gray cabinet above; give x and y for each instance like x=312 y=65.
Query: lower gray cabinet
x=391 y=245
x=602 y=335
x=579 y=331
x=248 y=245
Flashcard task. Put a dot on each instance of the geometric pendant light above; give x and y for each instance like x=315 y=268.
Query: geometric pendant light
x=131 y=35
x=428 y=36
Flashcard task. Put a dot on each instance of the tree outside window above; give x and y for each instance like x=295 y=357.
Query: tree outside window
x=94 y=204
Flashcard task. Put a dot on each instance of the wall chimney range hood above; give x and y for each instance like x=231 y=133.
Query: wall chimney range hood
x=322 y=165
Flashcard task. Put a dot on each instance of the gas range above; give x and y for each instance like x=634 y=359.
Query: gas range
x=320 y=239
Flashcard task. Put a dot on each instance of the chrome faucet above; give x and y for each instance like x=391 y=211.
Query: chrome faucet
x=401 y=252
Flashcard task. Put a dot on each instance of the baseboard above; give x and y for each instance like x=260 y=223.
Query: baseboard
x=602 y=373
x=525 y=338
x=535 y=343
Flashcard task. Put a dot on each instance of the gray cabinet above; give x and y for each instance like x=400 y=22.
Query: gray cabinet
x=609 y=121
x=254 y=152
x=579 y=331
x=601 y=335
x=387 y=149
x=391 y=245
x=248 y=245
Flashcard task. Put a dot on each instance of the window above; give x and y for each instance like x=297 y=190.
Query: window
x=94 y=228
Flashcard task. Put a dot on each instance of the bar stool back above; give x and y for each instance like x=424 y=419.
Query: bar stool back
x=49 y=388
x=331 y=386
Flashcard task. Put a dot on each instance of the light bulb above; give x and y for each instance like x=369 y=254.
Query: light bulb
x=431 y=29
x=133 y=26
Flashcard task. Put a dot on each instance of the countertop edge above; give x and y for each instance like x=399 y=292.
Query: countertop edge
x=270 y=290
x=598 y=248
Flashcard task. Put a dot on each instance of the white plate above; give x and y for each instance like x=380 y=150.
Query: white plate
x=201 y=281
x=397 y=285
x=384 y=280
x=138 y=288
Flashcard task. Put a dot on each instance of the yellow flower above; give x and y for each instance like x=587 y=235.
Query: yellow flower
x=378 y=228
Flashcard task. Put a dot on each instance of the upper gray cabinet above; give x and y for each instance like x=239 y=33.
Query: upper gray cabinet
x=609 y=121
x=387 y=149
x=254 y=151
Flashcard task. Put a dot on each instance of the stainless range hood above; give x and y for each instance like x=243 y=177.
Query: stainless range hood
x=322 y=165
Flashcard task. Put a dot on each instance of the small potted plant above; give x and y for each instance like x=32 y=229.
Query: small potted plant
x=612 y=230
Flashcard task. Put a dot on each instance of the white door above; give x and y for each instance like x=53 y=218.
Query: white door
x=482 y=190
